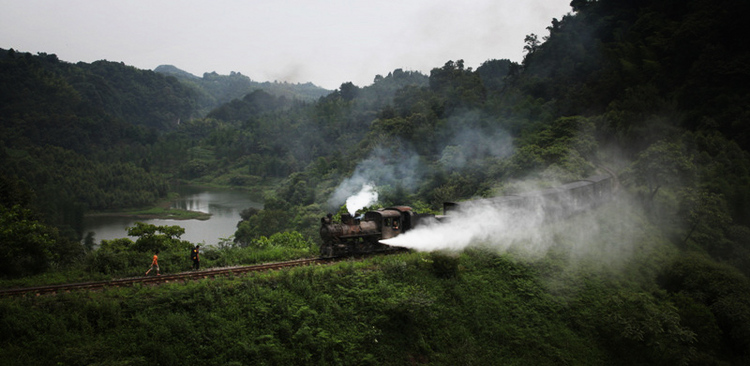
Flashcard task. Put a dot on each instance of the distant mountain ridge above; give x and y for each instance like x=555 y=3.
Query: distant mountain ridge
x=220 y=89
x=174 y=71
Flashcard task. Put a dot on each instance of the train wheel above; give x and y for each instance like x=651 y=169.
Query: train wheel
x=326 y=250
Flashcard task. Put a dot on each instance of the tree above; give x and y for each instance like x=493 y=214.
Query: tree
x=265 y=223
x=349 y=91
x=152 y=238
x=662 y=164
x=457 y=86
x=493 y=73
x=579 y=5
x=115 y=245
x=89 y=241
x=532 y=43
x=706 y=217
x=25 y=243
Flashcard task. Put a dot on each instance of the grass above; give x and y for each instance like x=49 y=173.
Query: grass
x=102 y=265
x=388 y=311
x=476 y=307
x=592 y=304
x=160 y=211
x=166 y=213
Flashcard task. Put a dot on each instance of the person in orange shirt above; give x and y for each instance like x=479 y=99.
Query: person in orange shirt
x=154 y=264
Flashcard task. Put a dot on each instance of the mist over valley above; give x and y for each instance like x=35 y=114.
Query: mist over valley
x=650 y=95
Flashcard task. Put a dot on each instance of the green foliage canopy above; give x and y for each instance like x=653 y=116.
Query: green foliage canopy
x=153 y=238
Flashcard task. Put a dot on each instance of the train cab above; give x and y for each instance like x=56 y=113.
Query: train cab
x=392 y=221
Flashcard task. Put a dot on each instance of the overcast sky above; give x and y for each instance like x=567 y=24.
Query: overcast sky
x=324 y=42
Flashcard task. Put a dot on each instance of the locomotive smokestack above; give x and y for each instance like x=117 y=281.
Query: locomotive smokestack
x=347 y=219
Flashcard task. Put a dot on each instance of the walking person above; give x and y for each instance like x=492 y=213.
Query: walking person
x=154 y=264
x=195 y=256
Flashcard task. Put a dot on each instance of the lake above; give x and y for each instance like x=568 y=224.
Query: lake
x=224 y=205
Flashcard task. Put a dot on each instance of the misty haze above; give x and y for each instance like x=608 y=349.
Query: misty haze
x=390 y=183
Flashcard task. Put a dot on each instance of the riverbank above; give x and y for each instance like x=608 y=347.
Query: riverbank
x=162 y=211
x=207 y=215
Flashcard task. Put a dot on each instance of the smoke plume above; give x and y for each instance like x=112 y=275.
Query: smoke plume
x=480 y=222
x=364 y=198
x=383 y=167
x=473 y=144
x=609 y=233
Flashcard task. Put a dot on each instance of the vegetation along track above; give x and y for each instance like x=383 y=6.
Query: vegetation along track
x=213 y=272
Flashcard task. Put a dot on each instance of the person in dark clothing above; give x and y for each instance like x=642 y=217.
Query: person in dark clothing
x=195 y=256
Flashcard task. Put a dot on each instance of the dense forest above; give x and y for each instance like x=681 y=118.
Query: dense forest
x=653 y=91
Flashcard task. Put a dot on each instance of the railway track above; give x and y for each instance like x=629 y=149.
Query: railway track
x=177 y=277
x=183 y=276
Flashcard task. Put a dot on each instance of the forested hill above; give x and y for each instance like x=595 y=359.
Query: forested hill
x=654 y=91
x=647 y=64
x=637 y=77
x=107 y=93
x=220 y=89
x=645 y=78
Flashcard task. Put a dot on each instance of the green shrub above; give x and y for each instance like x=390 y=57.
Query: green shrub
x=444 y=264
x=721 y=288
x=284 y=240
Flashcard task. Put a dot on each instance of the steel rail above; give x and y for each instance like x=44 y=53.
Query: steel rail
x=182 y=276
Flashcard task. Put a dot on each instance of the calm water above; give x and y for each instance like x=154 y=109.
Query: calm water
x=223 y=205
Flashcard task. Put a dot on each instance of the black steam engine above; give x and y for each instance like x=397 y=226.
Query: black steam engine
x=362 y=234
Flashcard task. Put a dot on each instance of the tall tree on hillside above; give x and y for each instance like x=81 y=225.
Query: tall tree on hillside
x=662 y=164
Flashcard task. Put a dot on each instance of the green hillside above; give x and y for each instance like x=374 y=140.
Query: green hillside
x=652 y=91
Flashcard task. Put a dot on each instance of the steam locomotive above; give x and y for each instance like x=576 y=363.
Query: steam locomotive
x=362 y=234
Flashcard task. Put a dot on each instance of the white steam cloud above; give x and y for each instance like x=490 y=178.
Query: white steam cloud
x=364 y=198
x=469 y=145
x=480 y=222
x=609 y=234
x=398 y=165
x=384 y=167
